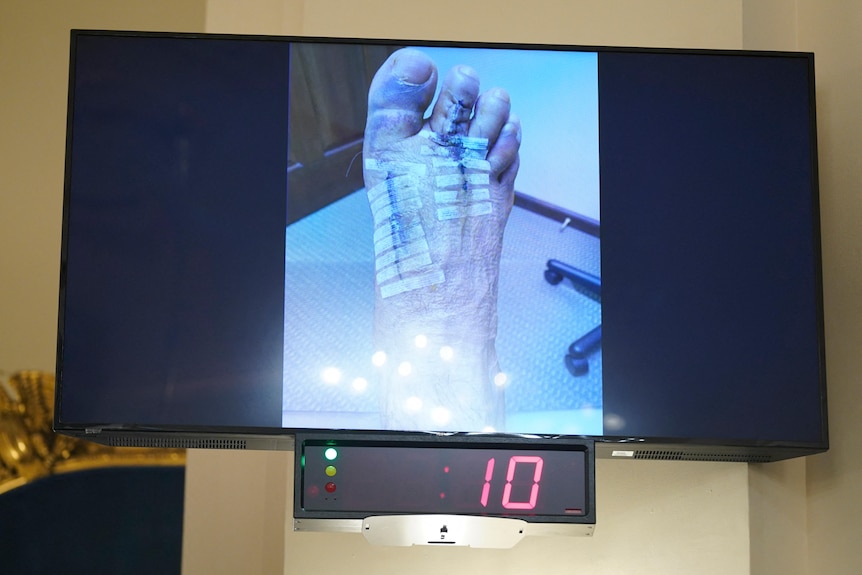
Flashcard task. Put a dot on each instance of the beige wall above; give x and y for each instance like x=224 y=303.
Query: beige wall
x=828 y=542
x=798 y=517
x=831 y=29
x=669 y=23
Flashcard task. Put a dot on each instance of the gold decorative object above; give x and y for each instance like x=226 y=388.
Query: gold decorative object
x=29 y=448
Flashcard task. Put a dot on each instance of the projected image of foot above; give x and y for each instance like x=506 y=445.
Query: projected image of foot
x=416 y=297
x=440 y=191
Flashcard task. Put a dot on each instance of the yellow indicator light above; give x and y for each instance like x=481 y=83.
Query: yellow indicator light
x=330 y=470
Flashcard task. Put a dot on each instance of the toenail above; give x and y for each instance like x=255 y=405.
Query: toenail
x=500 y=94
x=411 y=71
x=510 y=128
x=468 y=71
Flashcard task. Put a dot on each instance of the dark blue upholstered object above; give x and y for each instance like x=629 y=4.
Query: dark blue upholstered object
x=118 y=521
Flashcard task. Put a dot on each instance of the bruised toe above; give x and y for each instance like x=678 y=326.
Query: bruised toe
x=454 y=107
x=399 y=94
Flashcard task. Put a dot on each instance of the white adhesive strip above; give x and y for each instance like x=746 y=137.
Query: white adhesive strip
x=476 y=164
x=451 y=196
x=473 y=143
x=387 y=242
x=402 y=196
x=458 y=212
x=413 y=243
x=397 y=185
x=463 y=141
x=449 y=180
x=413 y=168
x=474 y=154
x=403 y=266
x=393 y=228
x=471 y=147
x=414 y=248
x=410 y=284
x=387 y=210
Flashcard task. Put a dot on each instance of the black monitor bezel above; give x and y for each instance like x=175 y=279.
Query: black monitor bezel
x=621 y=446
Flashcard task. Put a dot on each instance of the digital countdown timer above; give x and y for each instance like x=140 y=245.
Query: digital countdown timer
x=533 y=480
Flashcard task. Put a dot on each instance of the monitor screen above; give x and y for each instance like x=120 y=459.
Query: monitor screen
x=265 y=235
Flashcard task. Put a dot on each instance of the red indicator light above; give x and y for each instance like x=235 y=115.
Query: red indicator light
x=446 y=469
x=330 y=487
x=442 y=496
x=313 y=491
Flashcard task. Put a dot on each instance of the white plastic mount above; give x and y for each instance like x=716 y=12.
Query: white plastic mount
x=443 y=530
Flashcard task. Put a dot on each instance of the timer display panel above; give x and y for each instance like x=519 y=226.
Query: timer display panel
x=352 y=478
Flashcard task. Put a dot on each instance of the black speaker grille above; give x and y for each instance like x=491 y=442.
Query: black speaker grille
x=177 y=443
x=687 y=456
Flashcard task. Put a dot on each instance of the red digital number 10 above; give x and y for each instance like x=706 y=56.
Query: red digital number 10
x=510 y=474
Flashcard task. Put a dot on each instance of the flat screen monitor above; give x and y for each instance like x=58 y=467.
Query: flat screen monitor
x=271 y=235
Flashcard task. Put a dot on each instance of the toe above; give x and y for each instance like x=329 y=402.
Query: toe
x=492 y=113
x=399 y=95
x=503 y=155
x=451 y=114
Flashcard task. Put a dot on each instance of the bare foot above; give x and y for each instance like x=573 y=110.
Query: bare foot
x=440 y=191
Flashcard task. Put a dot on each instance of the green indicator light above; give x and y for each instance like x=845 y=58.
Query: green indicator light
x=330 y=454
x=330 y=470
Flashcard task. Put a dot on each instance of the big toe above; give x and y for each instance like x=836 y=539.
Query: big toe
x=399 y=95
